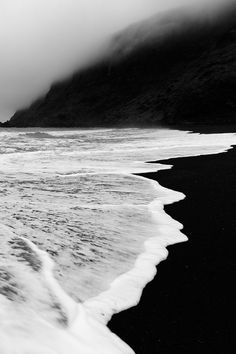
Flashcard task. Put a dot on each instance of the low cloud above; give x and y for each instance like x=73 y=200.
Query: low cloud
x=44 y=40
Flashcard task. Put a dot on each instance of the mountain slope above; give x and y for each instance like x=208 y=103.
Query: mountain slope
x=175 y=67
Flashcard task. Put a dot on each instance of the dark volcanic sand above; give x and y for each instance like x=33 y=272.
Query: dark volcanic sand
x=189 y=307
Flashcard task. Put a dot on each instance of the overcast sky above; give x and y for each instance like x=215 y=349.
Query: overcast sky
x=43 y=40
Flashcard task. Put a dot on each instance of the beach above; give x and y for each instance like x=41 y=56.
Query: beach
x=82 y=230
x=188 y=307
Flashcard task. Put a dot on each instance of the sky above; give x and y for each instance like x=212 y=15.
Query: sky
x=43 y=41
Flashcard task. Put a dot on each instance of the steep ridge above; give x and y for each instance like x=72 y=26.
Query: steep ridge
x=177 y=67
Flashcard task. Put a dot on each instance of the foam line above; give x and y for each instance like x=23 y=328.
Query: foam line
x=126 y=290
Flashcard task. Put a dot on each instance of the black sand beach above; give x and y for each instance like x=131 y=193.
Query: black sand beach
x=189 y=307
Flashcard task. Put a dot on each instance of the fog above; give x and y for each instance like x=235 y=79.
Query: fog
x=44 y=40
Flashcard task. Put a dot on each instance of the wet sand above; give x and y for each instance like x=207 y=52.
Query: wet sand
x=189 y=306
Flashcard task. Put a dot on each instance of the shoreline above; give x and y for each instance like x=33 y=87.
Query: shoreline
x=187 y=307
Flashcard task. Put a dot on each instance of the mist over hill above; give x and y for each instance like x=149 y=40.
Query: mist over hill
x=173 y=68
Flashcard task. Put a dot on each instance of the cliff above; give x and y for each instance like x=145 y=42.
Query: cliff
x=173 y=68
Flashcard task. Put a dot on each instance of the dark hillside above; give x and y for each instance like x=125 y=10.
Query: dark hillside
x=174 y=68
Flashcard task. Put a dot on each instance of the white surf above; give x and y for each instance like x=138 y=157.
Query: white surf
x=80 y=234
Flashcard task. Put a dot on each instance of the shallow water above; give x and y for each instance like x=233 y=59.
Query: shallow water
x=80 y=235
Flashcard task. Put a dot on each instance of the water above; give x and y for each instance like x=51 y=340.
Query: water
x=80 y=234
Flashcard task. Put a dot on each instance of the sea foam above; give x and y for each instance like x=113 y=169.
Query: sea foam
x=25 y=331
x=126 y=290
x=82 y=235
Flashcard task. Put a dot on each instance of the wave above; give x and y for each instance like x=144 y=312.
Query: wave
x=37 y=135
x=43 y=135
x=61 y=323
x=33 y=334
x=74 y=323
x=125 y=291
x=83 y=321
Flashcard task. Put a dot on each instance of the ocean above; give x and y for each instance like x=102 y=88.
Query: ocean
x=81 y=232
